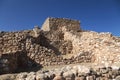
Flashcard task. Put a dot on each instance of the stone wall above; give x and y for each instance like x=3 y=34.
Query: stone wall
x=12 y=51
x=25 y=46
x=8 y=63
x=59 y=43
x=104 y=47
x=58 y=23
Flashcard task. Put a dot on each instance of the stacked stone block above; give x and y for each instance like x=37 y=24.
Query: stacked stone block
x=52 y=24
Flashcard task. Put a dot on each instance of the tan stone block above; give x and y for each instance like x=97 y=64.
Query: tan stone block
x=80 y=78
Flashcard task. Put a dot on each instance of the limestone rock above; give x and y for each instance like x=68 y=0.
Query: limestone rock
x=21 y=76
x=58 y=78
x=117 y=78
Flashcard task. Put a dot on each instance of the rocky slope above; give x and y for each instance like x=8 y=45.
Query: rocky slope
x=59 y=42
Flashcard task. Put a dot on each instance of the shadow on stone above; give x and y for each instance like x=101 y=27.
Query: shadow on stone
x=46 y=43
x=17 y=62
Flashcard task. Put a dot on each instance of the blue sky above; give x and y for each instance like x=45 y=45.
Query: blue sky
x=95 y=15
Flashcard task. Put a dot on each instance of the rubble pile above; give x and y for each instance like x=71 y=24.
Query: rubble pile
x=69 y=72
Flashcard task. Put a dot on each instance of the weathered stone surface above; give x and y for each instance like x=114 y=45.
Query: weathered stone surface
x=21 y=76
x=65 y=75
x=57 y=23
x=117 y=78
x=8 y=77
x=60 y=42
x=58 y=78
x=31 y=76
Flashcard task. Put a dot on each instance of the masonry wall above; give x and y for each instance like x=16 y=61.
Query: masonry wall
x=60 y=42
x=23 y=46
x=58 y=23
x=104 y=47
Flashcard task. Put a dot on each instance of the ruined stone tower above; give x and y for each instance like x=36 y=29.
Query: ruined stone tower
x=57 y=23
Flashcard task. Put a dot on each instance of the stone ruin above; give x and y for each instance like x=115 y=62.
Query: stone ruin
x=52 y=24
x=59 y=41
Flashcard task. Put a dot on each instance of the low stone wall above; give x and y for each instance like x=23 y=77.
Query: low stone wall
x=13 y=52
